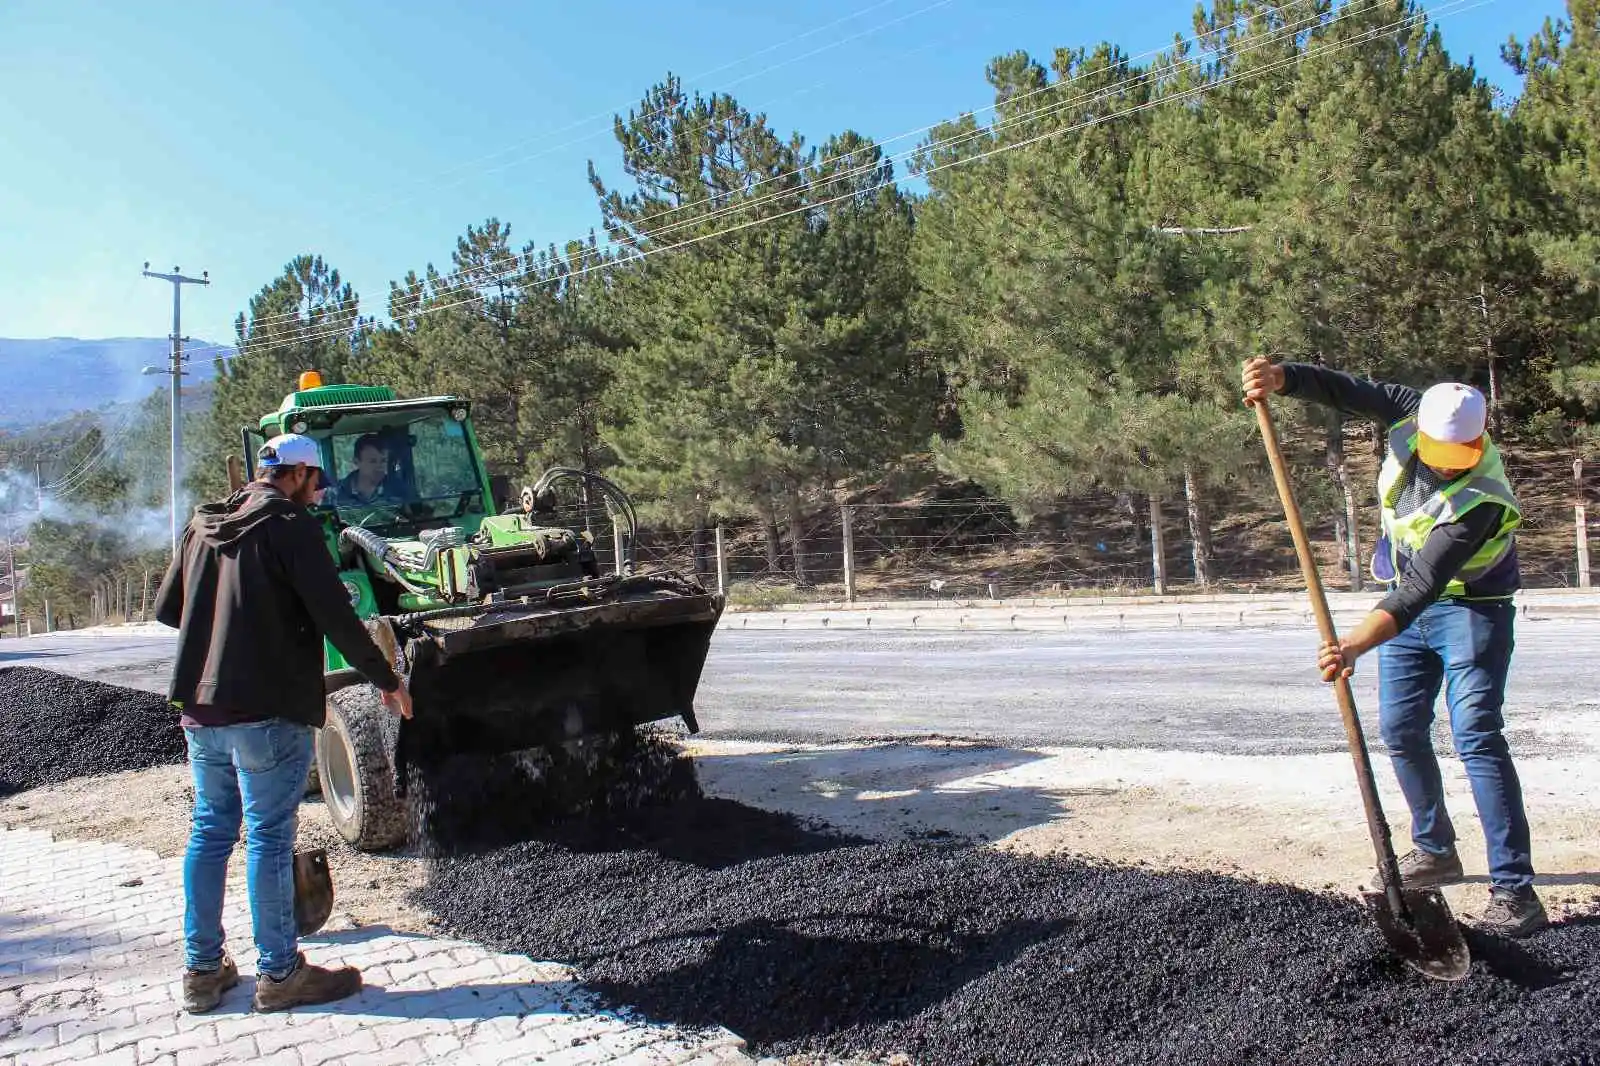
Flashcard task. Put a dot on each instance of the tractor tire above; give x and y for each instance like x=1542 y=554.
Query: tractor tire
x=356 y=776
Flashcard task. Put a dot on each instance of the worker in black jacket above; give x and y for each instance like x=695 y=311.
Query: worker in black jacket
x=1448 y=553
x=252 y=592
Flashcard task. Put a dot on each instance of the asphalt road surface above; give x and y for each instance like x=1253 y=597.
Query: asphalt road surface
x=1237 y=691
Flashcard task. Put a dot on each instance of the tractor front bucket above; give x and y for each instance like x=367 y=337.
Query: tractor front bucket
x=543 y=671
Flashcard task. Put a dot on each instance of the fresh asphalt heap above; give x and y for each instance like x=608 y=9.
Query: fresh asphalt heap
x=54 y=728
x=703 y=911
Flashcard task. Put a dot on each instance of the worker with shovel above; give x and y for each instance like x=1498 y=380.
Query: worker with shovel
x=1448 y=553
x=251 y=592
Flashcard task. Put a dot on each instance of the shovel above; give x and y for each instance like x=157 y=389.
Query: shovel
x=313 y=891
x=1416 y=922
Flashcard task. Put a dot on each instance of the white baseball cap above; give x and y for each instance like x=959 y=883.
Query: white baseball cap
x=1450 y=423
x=290 y=449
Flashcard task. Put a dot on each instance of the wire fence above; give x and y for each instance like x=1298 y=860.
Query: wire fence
x=977 y=547
x=942 y=545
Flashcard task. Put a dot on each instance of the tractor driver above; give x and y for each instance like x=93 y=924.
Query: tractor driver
x=368 y=483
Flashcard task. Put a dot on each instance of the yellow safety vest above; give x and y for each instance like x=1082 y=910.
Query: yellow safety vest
x=1484 y=483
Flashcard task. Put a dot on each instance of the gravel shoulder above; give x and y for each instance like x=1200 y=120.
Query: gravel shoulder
x=1295 y=819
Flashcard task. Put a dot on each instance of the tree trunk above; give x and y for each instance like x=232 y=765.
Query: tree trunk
x=797 y=537
x=1347 y=523
x=1158 y=546
x=1199 y=527
x=1494 y=370
x=769 y=526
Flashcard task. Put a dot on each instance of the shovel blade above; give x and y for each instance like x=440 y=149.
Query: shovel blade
x=1427 y=938
x=313 y=891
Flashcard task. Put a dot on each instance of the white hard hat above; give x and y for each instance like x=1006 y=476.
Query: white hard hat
x=290 y=449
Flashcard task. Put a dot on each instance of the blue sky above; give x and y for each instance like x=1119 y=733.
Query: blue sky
x=230 y=137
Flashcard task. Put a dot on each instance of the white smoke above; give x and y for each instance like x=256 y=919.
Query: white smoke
x=139 y=528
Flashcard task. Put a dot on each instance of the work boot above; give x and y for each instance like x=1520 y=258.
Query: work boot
x=306 y=986
x=203 y=989
x=1513 y=914
x=1423 y=869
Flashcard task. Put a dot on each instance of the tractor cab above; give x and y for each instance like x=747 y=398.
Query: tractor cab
x=394 y=466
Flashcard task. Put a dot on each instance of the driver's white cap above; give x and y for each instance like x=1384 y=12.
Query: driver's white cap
x=1451 y=422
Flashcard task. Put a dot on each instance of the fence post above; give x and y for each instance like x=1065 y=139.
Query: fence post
x=722 y=562
x=1158 y=546
x=144 y=600
x=1581 y=521
x=49 y=621
x=618 y=542
x=846 y=513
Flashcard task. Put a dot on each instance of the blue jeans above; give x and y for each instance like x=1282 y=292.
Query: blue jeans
x=1466 y=647
x=256 y=775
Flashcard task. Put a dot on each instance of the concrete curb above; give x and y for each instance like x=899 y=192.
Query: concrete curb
x=1169 y=613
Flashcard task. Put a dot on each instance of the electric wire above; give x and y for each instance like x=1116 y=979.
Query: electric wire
x=516 y=262
x=476 y=167
x=1204 y=88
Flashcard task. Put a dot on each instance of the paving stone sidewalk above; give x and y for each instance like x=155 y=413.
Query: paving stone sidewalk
x=90 y=960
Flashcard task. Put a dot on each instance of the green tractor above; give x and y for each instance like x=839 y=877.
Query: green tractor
x=520 y=626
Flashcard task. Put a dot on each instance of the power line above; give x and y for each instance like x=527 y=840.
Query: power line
x=1364 y=37
x=79 y=476
x=1276 y=36
x=1201 y=90
x=776 y=66
x=477 y=166
x=87 y=462
x=610 y=112
x=1199 y=231
x=514 y=262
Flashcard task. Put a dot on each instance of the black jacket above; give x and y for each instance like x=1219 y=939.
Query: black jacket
x=1424 y=574
x=252 y=592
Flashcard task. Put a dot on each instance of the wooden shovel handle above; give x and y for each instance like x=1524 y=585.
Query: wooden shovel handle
x=1382 y=845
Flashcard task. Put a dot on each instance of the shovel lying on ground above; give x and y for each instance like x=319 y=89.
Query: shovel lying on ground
x=313 y=891
x=1416 y=922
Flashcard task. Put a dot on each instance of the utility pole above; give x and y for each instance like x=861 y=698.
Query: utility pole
x=175 y=369
x=1580 y=513
x=16 y=593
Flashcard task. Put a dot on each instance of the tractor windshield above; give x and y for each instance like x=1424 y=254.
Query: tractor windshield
x=397 y=466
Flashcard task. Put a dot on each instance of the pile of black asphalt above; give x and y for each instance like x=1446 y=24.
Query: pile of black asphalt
x=705 y=912
x=56 y=728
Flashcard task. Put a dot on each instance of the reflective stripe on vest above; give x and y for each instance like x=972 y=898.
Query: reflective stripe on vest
x=1484 y=483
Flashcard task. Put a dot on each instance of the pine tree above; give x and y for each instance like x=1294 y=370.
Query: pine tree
x=306 y=319
x=1556 y=130
x=770 y=361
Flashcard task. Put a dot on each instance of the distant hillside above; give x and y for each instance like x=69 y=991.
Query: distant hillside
x=52 y=378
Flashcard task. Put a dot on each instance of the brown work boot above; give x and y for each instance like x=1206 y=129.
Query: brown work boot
x=306 y=986
x=1513 y=914
x=1422 y=869
x=203 y=989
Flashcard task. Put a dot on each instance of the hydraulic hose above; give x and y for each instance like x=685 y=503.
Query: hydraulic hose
x=382 y=556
